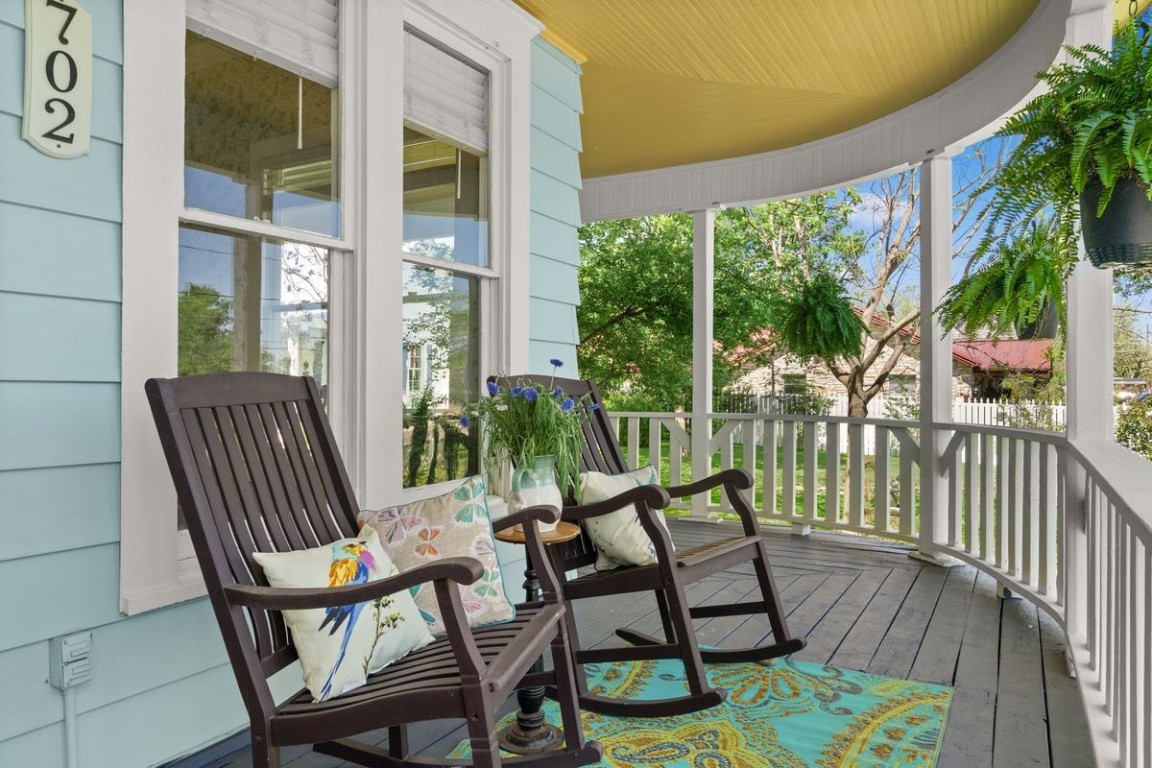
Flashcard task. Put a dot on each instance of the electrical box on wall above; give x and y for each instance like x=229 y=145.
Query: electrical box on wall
x=70 y=660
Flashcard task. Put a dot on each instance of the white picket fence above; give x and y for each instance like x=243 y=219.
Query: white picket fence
x=1028 y=414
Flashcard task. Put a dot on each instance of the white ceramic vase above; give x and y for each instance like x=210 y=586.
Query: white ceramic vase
x=534 y=485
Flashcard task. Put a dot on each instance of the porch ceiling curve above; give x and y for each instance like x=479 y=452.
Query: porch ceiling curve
x=691 y=104
x=733 y=77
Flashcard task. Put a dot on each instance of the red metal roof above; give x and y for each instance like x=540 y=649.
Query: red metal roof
x=1011 y=354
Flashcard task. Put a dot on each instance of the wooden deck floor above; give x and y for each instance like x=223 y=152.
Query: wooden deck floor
x=868 y=606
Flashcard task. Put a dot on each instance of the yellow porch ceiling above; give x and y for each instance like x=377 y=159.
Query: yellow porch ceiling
x=669 y=82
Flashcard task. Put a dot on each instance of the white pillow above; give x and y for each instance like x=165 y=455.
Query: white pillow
x=619 y=538
x=340 y=647
x=454 y=524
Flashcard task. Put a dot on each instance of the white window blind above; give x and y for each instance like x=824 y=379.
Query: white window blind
x=444 y=94
x=297 y=35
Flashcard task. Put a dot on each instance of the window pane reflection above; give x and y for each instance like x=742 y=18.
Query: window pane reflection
x=445 y=200
x=259 y=142
x=251 y=304
x=440 y=364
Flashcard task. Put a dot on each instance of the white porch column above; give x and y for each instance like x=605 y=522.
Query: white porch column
x=703 y=284
x=1089 y=362
x=935 y=352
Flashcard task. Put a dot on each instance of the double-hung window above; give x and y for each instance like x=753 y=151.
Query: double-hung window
x=322 y=188
x=448 y=268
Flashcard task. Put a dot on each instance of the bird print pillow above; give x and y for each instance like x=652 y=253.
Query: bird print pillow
x=619 y=538
x=339 y=647
x=455 y=524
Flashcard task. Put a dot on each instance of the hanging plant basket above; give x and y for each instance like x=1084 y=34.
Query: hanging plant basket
x=1122 y=237
x=1045 y=326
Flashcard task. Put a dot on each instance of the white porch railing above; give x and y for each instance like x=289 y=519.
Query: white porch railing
x=1068 y=525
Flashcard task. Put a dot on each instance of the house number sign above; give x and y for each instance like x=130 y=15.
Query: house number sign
x=57 y=77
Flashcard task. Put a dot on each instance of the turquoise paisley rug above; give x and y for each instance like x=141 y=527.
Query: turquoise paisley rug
x=781 y=714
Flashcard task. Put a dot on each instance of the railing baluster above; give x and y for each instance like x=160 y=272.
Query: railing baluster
x=907 y=491
x=810 y=468
x=1145 y=673
x=971 y=518
x=1029 y=537
x=987 y=497
x=789 y=470
x=656 y=446
x=1047 y=514
x=856 y=476
x=1003 y=510
x=633 y=423
x=880 y=520
x=832 y=473
x=963 y=500
x=1092 y=617
x=748 y=452
x=768 y=502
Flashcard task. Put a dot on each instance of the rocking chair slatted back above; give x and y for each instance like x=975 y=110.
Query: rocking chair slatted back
x=264 y=452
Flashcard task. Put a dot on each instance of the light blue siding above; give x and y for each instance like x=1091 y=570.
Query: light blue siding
x=555 y=158
x=87 y=185
x=54 y=254
x=554 y=239
x=30 y=330
x=556 y=182
x=57 y=509
x=58 y=425
x=554 y=281
x=36 y=704
x=11 y=60
x=557 y=73
x=555 y=118
x=558 y=323
x=40 y=747
x=58 y=593
x=555 y=198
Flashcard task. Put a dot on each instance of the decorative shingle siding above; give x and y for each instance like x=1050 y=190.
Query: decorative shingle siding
x=556 y=108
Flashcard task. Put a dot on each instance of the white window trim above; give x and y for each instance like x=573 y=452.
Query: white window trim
x=156 y=566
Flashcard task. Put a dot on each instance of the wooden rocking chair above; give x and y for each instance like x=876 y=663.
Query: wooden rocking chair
x=256 y=469
x=667 y=578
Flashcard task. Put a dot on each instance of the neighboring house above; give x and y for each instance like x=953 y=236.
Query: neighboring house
x=979 y=367
x=988 y=362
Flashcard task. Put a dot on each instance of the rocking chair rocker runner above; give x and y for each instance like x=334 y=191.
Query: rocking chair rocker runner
x=256 y=469
x=667 y=578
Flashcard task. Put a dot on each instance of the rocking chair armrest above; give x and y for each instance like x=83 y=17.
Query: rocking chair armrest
x=653 y=496
x=544 y=514
x=739 y=478
x=465 y=570
x=734 y=481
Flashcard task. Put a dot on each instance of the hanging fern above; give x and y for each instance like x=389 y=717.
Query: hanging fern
x=1027 y=274
x=1092 y=125
x=818 y=321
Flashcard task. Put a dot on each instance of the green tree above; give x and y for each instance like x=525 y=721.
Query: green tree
x=204 y=338
x=636 y=307
x=1132 y=351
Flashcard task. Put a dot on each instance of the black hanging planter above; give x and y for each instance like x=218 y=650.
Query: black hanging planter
x=1123 y=235
x=1045 y=326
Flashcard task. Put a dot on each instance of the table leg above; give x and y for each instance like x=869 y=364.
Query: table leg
x=531 y=733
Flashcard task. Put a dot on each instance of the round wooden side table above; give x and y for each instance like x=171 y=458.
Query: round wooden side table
x=531 y=733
